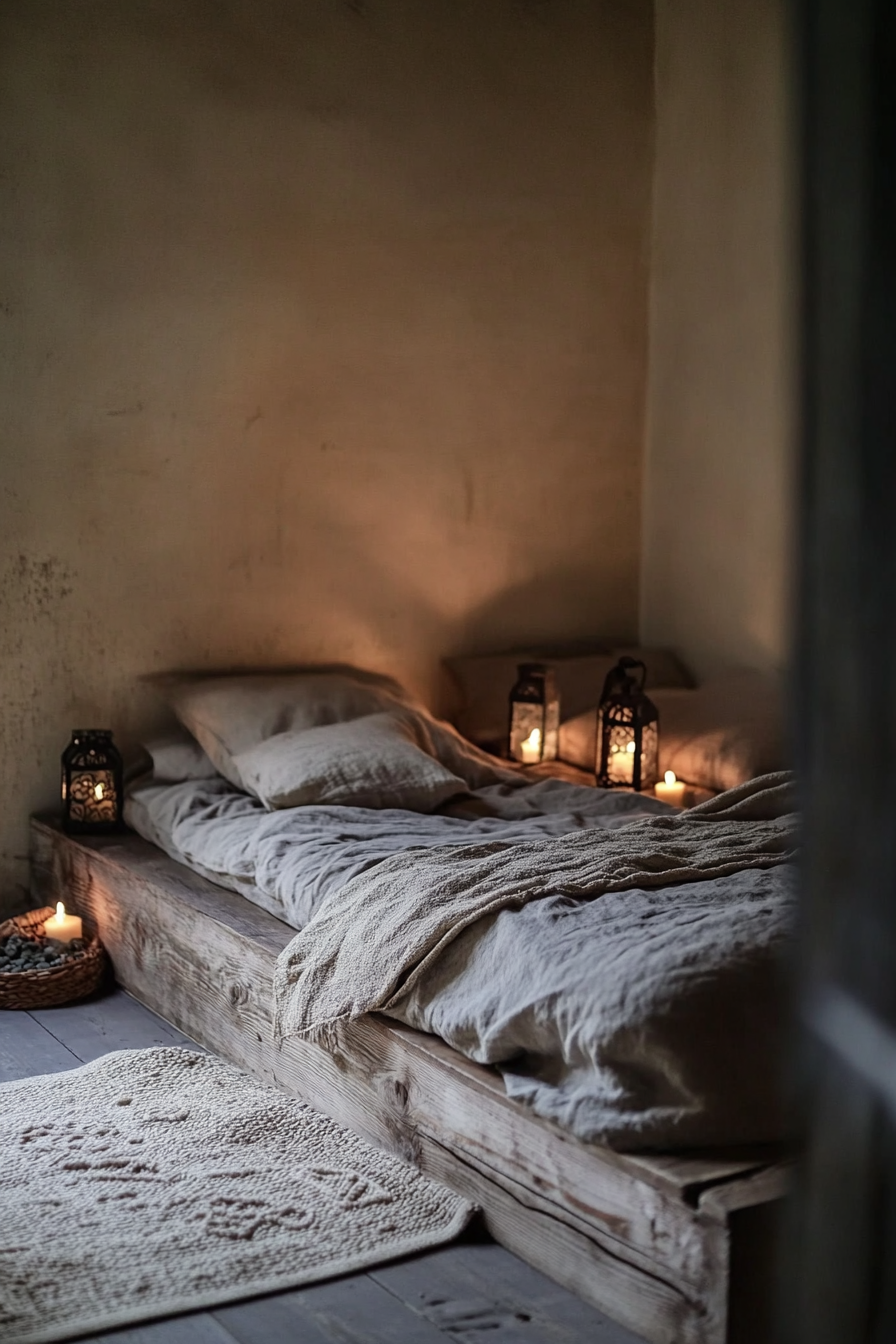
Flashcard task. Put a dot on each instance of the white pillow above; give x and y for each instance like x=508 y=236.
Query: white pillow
x=229 y=715
x=177 y=757
x=369 y=762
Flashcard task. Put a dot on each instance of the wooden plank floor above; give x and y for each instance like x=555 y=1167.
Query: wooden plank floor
x=460 y=1293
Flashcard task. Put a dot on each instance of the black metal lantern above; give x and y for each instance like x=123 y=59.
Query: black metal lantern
x=534 y=715
x=92 y=783
x=627 y=730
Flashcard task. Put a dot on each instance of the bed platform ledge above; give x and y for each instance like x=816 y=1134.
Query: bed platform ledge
x=676 y=1248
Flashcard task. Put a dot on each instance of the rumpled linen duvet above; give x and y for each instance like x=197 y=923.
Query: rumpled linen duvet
x=622 y=965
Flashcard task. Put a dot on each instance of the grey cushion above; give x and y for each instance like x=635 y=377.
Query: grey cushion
x=177 y=757
x=230 y=714
x=369 y=762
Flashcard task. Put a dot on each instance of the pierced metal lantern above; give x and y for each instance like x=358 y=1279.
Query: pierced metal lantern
x=627 y=730
x=534 y=715
x=92 y=783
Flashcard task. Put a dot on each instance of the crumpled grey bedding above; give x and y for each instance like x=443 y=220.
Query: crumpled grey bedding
x=289 y=861
x=586 y=1006
x=373 y=939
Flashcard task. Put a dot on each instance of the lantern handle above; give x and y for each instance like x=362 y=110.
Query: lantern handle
x=620 y=680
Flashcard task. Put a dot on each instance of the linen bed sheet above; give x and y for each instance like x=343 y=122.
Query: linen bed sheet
x=519 y=989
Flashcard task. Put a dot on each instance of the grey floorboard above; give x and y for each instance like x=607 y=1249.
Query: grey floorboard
x=113 y=1022
x=275 y=1320
x=507 y=1275
x=359 y=1310
x=469 y=1289
x=27 y=1049
x=200 y=1328
x=353 y=1310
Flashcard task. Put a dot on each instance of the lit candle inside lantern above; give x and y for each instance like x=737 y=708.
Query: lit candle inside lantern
x=62 y=927
x=531 y=747
x=622 y=763
x=98 y=792
x=671 y=790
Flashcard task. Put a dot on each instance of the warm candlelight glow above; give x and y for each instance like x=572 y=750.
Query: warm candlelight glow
x=622 y=762
x=671 y=790
x=627 y=732
x=531 y=747
x=62 y=927
x=98 y=792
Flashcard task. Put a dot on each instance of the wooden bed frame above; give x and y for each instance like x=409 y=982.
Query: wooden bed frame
x=676 y=1248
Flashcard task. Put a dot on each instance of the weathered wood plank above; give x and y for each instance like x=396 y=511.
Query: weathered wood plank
x=27 y=1049
x=114 y=1022
x=611 y=1280
x=772 y=1183
x=689 y=1174
x=616 y=1229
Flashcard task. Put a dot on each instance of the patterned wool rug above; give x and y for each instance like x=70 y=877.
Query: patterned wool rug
x=158 y=1181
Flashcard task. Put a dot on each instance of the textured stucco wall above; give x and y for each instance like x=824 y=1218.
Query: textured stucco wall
x=323 y=337
x=717 y=507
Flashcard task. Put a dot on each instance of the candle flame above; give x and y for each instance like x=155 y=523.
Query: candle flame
x=630 y=747
x=534 y=739
x=669 y=777
x=60 y=912
x=98 y=792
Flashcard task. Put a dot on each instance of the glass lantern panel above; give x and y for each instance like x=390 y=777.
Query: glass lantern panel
x=649 y=755
x=621 y=755
x=551 y=729
x=92 y=796
x=527 y=732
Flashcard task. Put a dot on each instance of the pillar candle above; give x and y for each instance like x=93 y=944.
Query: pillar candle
x=62 y=927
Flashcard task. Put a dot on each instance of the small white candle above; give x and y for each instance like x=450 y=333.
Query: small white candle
x=671 y=790
x=62 y=927
x=531 y=747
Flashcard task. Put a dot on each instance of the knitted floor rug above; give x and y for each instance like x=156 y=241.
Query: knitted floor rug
x=158 y=1181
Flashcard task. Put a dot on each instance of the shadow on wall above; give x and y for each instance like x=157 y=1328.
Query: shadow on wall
x=325 y=340
x=563 y=606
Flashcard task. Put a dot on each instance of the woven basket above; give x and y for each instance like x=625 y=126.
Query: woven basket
x=77 y=978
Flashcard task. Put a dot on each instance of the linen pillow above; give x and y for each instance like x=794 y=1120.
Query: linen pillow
x=484 y=683
x=229 y=715
x=716 y=736
x=729 y=730
x=369 y=762
x=577 y=743
x=177 y=757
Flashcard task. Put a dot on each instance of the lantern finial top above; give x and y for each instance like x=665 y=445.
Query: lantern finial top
x=622 y=680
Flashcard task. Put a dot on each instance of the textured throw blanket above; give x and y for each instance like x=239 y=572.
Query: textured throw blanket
x=372 y=941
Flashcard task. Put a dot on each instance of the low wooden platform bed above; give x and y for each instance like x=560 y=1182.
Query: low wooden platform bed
x=675 y=1247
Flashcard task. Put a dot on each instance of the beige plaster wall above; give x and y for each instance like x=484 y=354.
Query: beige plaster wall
x=323 y=337
x=717 y=513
